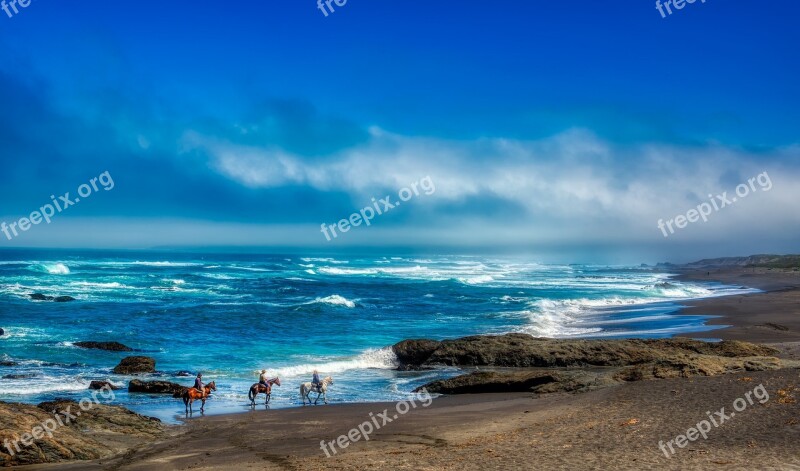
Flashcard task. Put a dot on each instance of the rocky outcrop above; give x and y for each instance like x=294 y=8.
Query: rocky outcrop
x=57 y=299
x=519 y=381
x=98 y=432
x=107 y=346
x=135 y=365
x=103 y=385
x=525 y=351
x=156 y=387
x=413 y=353
x=2 y=332
x=551 y=365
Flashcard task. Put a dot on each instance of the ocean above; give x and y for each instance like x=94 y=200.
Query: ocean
x=229 y=316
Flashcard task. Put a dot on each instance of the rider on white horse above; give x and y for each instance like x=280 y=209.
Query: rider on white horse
x=316 y=382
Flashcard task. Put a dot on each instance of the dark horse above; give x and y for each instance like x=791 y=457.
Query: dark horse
x=259 y=388
x=192 y=394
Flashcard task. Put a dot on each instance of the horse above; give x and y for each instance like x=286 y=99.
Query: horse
x=192 y=394
x=259 y=388
x=307 y=388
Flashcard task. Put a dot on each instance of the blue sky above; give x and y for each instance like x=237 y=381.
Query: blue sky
x=549 y=127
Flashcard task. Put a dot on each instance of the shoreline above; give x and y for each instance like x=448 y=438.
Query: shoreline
x=618 y=426
x=770 y=317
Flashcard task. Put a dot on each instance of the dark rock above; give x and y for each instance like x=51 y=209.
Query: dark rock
x=44 y=297
x=156 y=387
x=560 y=365
x=184 y=374
x=108 y=346
x=96 y=433
x=20 y=376
x=134 y=365
x=102 y=385
x=522 y=350
x=480 y=382
x=414 y=352
x=2 y=332
x=8 y=363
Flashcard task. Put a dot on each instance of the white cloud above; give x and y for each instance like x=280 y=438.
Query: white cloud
x=570 y=184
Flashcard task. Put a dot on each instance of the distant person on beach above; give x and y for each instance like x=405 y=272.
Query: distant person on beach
x=315 y=381
x=263 y=380
x=198 y=382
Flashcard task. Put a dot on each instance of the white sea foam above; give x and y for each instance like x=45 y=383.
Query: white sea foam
x=334 y=300
x=111 y=285
x=476 y=280
x=56 y=268
x=383 y=358
x=324 y=260
x=162 y=264
x=41 y=384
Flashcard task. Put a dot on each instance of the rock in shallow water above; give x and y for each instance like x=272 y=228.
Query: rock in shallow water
x=102 y=385
x=135 y=365
x=44 y=297
x=108 y=346
x=156 y=387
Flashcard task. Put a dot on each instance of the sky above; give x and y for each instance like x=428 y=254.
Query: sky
x=560 y=129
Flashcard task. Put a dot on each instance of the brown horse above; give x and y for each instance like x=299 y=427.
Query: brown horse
x=192 y=394
x=259 y=388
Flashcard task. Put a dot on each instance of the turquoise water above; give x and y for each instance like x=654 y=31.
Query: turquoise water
x=230 y=316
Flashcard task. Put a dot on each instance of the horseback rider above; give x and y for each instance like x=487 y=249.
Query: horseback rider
x=315 y=382
x=198 y=382
x=263 y=380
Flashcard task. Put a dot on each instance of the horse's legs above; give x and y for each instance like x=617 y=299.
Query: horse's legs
x=325 y=396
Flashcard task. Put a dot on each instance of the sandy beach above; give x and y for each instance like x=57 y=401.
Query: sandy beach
x=618 y=427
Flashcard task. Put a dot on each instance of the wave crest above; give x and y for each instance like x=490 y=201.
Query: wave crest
x=335 y=300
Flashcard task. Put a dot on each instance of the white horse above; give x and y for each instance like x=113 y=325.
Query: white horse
x=308 y=388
